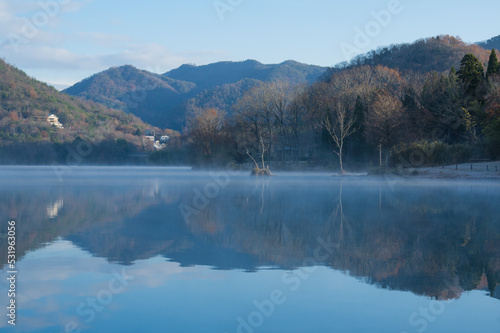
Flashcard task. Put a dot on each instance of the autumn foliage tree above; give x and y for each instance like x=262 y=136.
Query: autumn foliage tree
x=206 y=131
x=383 y=123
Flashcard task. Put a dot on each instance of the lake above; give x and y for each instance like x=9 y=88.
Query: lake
x=127 y=249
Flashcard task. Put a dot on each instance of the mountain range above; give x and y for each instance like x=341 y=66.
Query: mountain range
x=163 y=100
x=123 y=102
x=493 y=43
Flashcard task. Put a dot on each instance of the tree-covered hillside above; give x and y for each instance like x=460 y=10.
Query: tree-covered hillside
x=144 y=94
x=360 y=115
x=26 y=103
x=492 y=43
x=436 y=99
x=217 y=74
x=425 y=55
x=164 y=100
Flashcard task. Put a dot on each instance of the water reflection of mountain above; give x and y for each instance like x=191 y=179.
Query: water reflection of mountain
x=44 y=212
x=435 y=240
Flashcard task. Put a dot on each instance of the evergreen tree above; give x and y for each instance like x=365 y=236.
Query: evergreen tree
x=493 y=65
x=453 y=71
x=359 y=111
x=356 y=145
x=471 y=72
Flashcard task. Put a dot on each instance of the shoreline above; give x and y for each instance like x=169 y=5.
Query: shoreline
x=478 y=170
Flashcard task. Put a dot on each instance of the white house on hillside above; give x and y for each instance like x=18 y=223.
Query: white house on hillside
x=54 y=120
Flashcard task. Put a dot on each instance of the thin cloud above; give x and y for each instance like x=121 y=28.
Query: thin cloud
x=49 y=56
x=152 y=57
x=75 y=6
x=101 y=39
x=27 y=22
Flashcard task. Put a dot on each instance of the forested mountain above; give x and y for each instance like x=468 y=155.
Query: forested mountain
x=437 y=94
x=217 y=74
x=26 y=103
x=113 y=85
x=163 y=100
x=430 y=54
x=144 y=94
x=493 y=43
x=365 y=113
x=222 y=97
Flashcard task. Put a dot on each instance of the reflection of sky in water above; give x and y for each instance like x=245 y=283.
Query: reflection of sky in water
x=164 y=297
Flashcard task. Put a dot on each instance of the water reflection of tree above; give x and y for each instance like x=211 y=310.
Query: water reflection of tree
x=429 y=243
x=262 y=185
x=338 y=224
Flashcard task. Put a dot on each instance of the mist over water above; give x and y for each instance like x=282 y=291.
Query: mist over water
x=217 y=251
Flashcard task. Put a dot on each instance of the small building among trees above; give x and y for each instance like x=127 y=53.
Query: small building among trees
x=54 y=120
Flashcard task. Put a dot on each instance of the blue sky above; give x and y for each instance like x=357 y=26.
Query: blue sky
x=73 y=39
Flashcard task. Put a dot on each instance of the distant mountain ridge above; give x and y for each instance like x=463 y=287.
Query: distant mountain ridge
x=162 y=100
x=438 y=54
x=217 y=74
x=123 y=79
x=492 y=43
x=144 y=94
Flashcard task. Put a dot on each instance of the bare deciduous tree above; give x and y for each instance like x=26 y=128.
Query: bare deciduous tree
x=267 y=114
x=253 y=119
x=339 y=121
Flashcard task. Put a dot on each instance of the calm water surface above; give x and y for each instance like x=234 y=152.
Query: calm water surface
x=174 y=250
